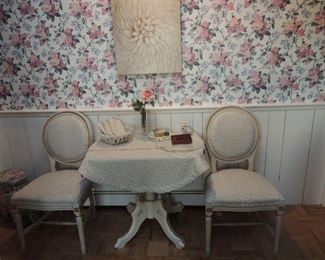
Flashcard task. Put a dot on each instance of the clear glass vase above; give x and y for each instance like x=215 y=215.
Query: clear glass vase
x=144 y=125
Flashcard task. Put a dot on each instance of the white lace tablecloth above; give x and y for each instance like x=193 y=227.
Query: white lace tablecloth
x=144 y=166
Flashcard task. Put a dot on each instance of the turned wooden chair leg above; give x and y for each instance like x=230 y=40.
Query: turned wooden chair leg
x=20 y=229
x=278 y=224
x=80 y=227
x=208 y=231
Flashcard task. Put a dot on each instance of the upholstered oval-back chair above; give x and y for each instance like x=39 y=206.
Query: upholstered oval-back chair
x=232 y=137
x=66 y=137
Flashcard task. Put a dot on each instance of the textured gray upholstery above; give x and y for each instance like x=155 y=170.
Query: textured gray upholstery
x=232 y=137
x=67 y=137
x=238 y=188
x=232 y=134
x=55 y=190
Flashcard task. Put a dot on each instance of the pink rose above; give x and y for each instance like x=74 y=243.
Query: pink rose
x=259 y=25
x=221 y=58
x=203 y=31
x=81 y=8
x=50 y=84
x=29 y=90
x=187 y=101
x=294 y=26
x=189 y=56
x=25 y=8
x=41 y=33
x=88 y=63
x=8 y=67
x=246 y=51
x=217 y=3
x=233 y=81
x=101 y=85
x=68 y=40
x=56 y=61
x=20 y=39
x=124 y=86
x=247 y=3
x=75 y=89
x=245 y=99
x=320 y=22
x=314 y=73
x=104 y=6
x=2 y=16
x=273 y=57
x=114 y=103
x=256 y=79
x=49 y=7
x=3 y=90
x=288 y=81
x=280 y=3
x=35 y=62
x=305 y=51
x=96 y=33
x=147 y=95
x=235 y=26
x=204 y=85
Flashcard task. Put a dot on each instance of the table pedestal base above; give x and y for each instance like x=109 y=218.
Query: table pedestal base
x=151 y=208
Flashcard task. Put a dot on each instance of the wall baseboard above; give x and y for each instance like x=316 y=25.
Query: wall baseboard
x=122 y=199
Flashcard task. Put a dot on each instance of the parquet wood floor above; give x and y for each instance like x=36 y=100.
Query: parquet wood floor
x=303 y=237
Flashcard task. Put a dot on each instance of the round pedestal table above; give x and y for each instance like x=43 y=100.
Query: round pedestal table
x=150 y=169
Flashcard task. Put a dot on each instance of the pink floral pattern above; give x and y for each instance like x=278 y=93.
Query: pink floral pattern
x=60 y=54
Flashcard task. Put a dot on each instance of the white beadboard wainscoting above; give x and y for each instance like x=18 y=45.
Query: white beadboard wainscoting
x=291 y=153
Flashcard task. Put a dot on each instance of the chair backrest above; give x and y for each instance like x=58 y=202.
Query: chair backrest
x=232 y=136
x=66 y=136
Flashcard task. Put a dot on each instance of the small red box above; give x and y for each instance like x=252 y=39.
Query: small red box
x=181 y=139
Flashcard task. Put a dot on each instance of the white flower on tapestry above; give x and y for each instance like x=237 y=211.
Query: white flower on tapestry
x=147 y=36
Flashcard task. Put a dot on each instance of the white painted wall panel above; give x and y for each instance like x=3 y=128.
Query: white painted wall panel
x=6 y=160
x=205 y=119
x=93 y=119
x=274 y=146
x=164 y=120
x=195 y=185
x=315 y=178
x=34 y=131
x=298 y=128
x=151 y=122
x=198 y=123
x=263 y=118
x=178 y=118
x=283 y=152
x=19 y=145
x=133 y=120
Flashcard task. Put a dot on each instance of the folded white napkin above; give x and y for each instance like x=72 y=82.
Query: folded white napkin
x=112 y=127
x=117 y=127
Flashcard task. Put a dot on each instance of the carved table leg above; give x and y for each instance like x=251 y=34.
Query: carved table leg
x=131 y=206
x=171 y=205
x=150 y=207
x=138 y=216
x=161 y=215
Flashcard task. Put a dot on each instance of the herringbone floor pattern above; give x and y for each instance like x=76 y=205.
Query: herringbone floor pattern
x=303 y=237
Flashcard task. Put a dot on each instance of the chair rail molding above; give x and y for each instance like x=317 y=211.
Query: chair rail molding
x=291 y=153
x=185 y=109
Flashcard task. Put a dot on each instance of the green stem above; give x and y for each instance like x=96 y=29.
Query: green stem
x=143 y=117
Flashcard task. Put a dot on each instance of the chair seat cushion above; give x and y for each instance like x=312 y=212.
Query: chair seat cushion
x=56 y=190
x=238 y=188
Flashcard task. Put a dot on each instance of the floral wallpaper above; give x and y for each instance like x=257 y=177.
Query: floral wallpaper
x=57 y=54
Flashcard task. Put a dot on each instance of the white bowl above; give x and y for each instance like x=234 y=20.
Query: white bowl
x=116 y=139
